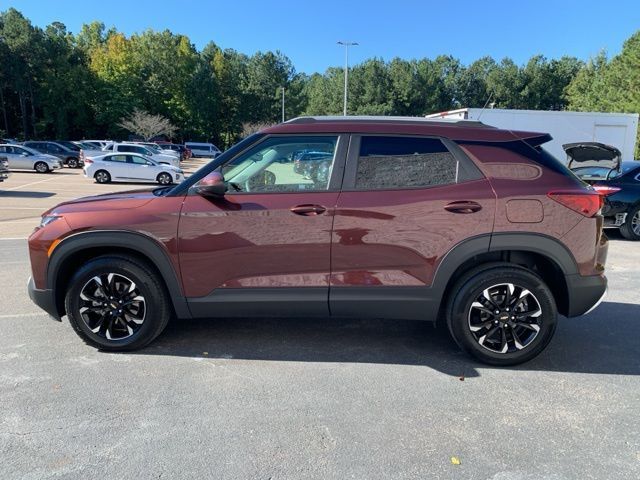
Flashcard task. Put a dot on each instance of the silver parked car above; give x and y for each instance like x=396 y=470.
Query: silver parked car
x=69 y=156
x=25 y=158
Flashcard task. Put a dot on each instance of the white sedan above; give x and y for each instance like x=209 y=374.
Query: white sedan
x=25 y=158
x=130 y=167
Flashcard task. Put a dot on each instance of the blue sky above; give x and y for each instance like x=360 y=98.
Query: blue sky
x=307 y=31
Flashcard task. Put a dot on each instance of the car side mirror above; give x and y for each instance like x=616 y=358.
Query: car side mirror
x=212 y=185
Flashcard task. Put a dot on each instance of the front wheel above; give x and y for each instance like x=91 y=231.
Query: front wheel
x=41 y=167
x=502 y=315
x=117 y=303
x=630 y=229
x=164 y=179
x=102 y=176
x=72 y=162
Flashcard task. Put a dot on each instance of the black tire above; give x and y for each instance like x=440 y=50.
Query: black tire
x=630 y=229
x=102 y=176
x=483 y=333
x=73 y=162
x=164 y=179
x=115 y=332
x=41 y=167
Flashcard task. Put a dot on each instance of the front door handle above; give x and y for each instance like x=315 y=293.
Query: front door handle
x=463 y=206
x=308 y=210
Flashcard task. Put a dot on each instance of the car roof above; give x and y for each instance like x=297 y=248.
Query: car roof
x=454 y=129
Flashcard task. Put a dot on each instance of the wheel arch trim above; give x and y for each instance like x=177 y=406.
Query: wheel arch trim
x=543 y=245
x=142 y=244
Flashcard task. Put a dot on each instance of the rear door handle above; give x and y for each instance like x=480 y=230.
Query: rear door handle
x=308 y=210
x=463 y=206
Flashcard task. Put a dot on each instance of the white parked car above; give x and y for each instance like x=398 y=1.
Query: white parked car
x=203 y=149
x=130 y=167
x=24 y=158
x=135 y=148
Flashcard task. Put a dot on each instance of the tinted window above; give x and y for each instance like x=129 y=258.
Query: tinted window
x=70 y=145
x=127 y=148
x=53 y=148
x=404 y=162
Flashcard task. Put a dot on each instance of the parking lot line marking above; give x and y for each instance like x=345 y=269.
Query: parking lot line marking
x=21 y=208
x=18 y=221
x=20 y=315
x=27 y=184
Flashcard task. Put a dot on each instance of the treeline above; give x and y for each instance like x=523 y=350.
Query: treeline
x=56 y=84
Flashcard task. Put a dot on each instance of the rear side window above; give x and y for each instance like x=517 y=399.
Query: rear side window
x=404 y=162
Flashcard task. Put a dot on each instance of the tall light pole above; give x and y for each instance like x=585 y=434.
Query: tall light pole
x=346 y=46
x=282 y=104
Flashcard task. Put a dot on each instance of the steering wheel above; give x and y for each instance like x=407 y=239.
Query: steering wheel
x=265 y=177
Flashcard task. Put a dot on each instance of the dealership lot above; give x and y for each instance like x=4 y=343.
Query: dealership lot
x=298 y=399
x=25 y=195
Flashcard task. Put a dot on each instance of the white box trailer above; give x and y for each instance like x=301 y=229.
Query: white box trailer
x=617 y=129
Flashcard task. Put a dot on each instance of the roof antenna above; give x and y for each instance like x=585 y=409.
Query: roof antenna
x=485 y=105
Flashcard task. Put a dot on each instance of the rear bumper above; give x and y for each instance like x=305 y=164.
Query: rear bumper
x=585 y=293
x=44 y=299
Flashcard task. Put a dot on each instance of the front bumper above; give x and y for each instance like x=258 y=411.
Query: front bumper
x=44 y=299
x=585 y=293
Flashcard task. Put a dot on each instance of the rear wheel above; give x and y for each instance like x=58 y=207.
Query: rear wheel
x=41 y=167
x=117 y=303
x=72 y=162
x=630 y=229
x=102 y=176
x=164 y=179
x=502 y=315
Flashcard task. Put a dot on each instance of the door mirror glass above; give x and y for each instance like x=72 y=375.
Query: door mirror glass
x=212 y=185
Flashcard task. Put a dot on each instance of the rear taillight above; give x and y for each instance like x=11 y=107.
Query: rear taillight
x=585 y=203
x=87 y=161
x=606 y=190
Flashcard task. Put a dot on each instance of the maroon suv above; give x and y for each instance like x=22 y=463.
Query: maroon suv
x=417 y=219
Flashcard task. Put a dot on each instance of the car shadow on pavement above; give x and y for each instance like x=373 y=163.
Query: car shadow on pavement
x=604 y=342
x=25 y=194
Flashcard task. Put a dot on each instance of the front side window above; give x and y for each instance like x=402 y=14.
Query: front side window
x=283 y=164
x=404 y=162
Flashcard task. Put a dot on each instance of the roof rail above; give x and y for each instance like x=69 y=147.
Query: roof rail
x=382 y=119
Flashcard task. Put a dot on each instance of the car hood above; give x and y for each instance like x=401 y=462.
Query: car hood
x=590 y=154
x=109 y=201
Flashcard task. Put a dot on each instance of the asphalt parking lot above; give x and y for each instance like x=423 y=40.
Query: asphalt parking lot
x=290 y=399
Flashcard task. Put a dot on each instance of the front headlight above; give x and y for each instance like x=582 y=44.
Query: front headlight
x=47 y=219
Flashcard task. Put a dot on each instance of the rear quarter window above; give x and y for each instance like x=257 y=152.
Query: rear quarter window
x=386 y=162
